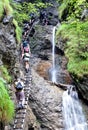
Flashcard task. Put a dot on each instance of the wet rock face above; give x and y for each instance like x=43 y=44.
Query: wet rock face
x=45 y=101
x=41 y=46
x=41 y=41
x=62 y=75
x=8 y=49
x=43 y=68
x=82 y=87
x=52 y=16
x=31 y=121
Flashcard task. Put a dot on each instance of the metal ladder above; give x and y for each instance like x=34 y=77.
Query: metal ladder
x=20 y=116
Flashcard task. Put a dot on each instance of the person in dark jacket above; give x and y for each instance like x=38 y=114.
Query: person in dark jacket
x=43 y=18
x=19 y=93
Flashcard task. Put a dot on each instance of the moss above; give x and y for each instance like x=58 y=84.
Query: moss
x=6 y=105
x=18 y=31
x=70 y=9
x=22 y=11
x=8 y=9
x=5 y=8
x=1 y=9
x=75 y=35
x=62 y=9
x=4 y=73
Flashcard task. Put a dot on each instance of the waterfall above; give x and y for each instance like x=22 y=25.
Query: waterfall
x=72 y=111
x=53 y=57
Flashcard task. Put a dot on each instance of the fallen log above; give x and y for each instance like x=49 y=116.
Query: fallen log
x=62 y=86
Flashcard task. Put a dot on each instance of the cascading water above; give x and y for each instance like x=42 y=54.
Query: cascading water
x=53 y=57
x=73 y=115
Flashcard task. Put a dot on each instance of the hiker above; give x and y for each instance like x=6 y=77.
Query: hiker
x=43 y=18
x=24 y=35
x=25 y=49
x=19 y=86
x=32 y=16
x=26 y=58
x=26 y=27
x=24 y=44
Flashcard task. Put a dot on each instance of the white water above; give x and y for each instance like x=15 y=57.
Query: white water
x=72 y=111
x=53 y=57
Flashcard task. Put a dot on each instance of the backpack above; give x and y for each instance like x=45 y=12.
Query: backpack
x=19 y=86
x=26 y=49
x=25 y=44
x=26 y=55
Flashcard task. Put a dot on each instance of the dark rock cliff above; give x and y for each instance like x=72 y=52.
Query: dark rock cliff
x=9 y=48
x=8 y=45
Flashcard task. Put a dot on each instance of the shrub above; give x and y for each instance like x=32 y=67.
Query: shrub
x=6 y=105
x=75 y=35
x=4 y=73
x=8 y=9
x=1 y=9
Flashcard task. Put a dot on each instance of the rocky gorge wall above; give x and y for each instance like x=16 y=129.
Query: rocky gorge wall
x=41 y=47
x=8 y=45
x=45 y=98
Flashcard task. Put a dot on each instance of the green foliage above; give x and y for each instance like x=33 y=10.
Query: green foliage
x=62 y=8
x=1 y=9
x=73 y=8
x=18 y=31
x=41 y=5
x=22 y=11
x=5 y=8
x=4 y=73
x=75 y=35
x=6 y=105
x=8 y=9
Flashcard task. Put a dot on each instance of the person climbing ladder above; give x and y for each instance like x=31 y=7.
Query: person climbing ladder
x=19 y=87
x=26 y=55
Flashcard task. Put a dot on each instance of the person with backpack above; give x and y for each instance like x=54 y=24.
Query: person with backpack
x=43 y=17
x=32 y=19
x=25 y=47
x=26 y=59
x=19 y=87
x=26 y=54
